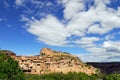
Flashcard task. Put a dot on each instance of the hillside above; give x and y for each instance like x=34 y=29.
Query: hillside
x=107 y=67
x=7 y=52
x=50 y=61
x=58 y=55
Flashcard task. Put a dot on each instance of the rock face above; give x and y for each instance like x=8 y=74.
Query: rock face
x=50 y=61
x=52 y=53
x=47 y=52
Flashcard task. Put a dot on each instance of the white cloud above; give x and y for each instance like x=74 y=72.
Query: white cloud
x=112 y=46
x=98 y=19
x=81 y=20
x=49 y=30
x=90 y=57
x=96 y=50
x=72 y=8
x=79 y=23
x=63 y=1
x=97 y=29
x=102 y=57
x=109 y=51
x=87 y=42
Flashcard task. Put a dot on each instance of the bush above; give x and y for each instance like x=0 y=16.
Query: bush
x=9 y=68
x=68 y=76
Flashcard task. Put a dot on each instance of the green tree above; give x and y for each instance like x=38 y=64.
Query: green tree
x=9 y=68
x=113 y=76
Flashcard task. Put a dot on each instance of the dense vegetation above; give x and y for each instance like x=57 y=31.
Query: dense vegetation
x=61 y=76
x=9 y=68
x=73 y=76
x=113 y=76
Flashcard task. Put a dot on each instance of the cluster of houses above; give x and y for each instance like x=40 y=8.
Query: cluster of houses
x=52 y=61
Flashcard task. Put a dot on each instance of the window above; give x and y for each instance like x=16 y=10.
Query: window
x=38 y=64
x=30 y=67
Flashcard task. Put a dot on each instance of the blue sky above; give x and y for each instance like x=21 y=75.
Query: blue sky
x=89 y=29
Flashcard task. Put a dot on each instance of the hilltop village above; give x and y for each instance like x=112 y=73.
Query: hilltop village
x=52 y=61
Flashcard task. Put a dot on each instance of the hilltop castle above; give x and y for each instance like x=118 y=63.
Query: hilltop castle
x=51 y=61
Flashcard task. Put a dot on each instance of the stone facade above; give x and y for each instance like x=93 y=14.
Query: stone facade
x=52 y=61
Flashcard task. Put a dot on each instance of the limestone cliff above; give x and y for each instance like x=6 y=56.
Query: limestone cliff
x=47 y=52
x=58 y=54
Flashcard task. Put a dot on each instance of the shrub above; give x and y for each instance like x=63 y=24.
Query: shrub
x=9 y=68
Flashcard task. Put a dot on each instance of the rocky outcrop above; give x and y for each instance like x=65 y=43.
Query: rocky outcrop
x=50 y=61
x=58 y=54
x=46 y=52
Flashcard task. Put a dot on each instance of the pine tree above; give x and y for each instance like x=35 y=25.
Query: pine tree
x=9 y=68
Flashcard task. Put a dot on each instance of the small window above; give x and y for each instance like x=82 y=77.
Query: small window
x=38 y=64
x=30 y=67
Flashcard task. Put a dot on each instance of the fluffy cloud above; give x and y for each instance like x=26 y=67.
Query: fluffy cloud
x=87 y=42
x=72 y=8
x=112 y=46
x=97 y=20
x=91 y=21
x=49 y=30
x=109 y=51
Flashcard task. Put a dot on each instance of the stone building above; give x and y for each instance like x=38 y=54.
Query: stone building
x=52 y=61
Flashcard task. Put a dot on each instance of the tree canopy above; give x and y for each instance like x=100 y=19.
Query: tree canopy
x=9 y=68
